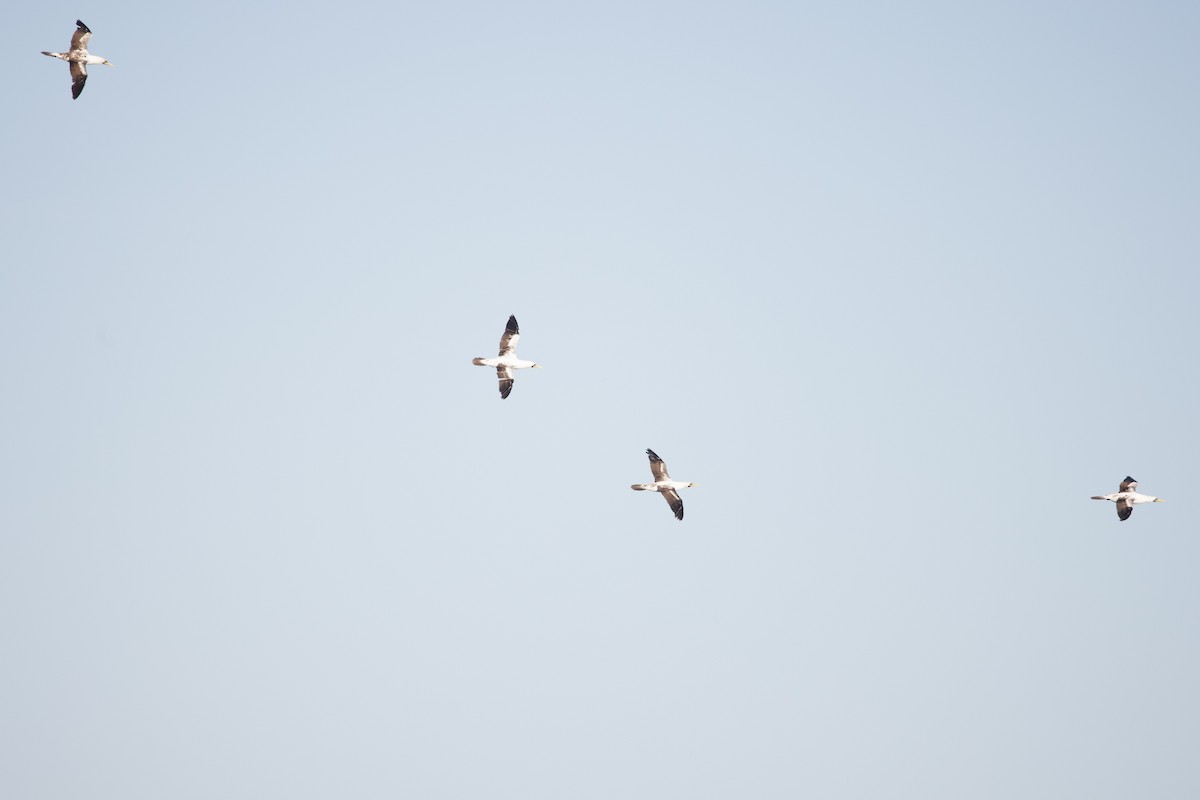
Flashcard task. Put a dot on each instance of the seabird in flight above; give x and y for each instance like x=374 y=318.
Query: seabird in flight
x=508 y=360
x=1127 y=497
x=78 y=58
x=663 y=484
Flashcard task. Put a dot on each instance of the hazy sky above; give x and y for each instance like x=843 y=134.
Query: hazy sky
x=898 y=285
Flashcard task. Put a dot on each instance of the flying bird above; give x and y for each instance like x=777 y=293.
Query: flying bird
x=78 y=58
x=507 y=360
x=663 y=484
x=1126 y=497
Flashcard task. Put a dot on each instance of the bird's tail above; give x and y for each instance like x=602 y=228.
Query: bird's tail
x=1098 y=497
x=640 y=487
x=52 y=55
x=479 y=362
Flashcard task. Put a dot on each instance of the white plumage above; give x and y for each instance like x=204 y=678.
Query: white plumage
x=663 y=484
x=507 y=360
x=1126 y=497
x=78 y=58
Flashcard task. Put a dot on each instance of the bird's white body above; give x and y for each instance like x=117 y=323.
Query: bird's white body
x=661 y=486
x=510 y=361
x=80 y=57
x=1133 y=498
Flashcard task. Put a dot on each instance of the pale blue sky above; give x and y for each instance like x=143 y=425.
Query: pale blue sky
x=267 y=533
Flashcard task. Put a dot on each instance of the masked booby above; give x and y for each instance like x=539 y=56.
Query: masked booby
x=663 y=484
x=1126 y=497
x=507 y=360
x=78 y=58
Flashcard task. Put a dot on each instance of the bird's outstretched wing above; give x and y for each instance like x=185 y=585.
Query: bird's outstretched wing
x=506 y=381
x=78 y=78
x=1123 y=509
x=508 y=342
x=658 y=467
x=81 y=37
x=674 y=502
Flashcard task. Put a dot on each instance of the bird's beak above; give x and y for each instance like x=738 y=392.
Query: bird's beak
x=109 y=63
x=537 y=366
x=1159 y=500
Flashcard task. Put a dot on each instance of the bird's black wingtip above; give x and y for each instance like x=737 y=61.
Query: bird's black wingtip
x=653 y=455
x=676 y=505
x=511 y=327
x=79 y=24
x=1129 y=479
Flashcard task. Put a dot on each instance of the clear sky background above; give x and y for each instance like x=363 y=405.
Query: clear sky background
x=899 y=285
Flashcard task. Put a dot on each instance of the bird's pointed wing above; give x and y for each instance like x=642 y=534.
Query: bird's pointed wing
x=506 y=381
x=658 y=467
x=81 y=37
x=1128 y=485
x=674 y=502
x=78 y=78
x=1123 y=509
x=508 y=342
